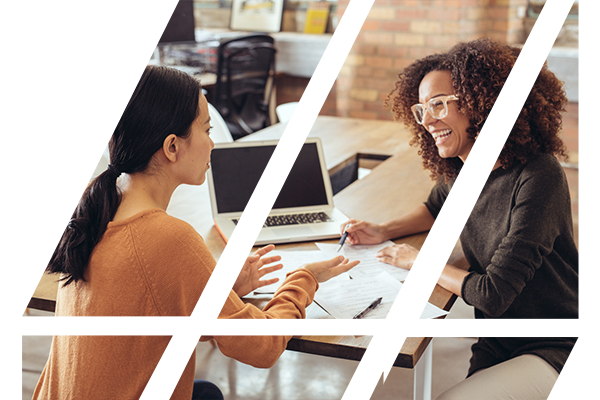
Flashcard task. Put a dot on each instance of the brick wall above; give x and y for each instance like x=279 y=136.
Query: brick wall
x=397 y=32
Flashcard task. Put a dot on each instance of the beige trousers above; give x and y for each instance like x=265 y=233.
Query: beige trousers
x=526 y=377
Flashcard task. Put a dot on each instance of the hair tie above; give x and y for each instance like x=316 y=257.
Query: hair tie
x=114 y=170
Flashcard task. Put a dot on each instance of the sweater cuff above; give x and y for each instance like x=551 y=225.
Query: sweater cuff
x=464 y=294
x=307 y=272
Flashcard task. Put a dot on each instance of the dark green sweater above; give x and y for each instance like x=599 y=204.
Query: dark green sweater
x=522 y=256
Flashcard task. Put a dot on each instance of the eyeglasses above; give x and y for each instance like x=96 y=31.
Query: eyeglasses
x=436 y=107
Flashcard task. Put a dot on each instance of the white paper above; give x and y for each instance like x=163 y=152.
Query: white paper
x=343 y=298
x=367 y=254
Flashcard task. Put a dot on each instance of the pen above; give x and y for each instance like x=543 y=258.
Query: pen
x=343 y=239
x=370 y=308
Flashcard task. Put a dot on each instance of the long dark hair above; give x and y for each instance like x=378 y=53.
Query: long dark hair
x=164 y=102
x=478 y=71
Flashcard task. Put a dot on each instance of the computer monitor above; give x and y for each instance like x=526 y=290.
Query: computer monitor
x=180 y=28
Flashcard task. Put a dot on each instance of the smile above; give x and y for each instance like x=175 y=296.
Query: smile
x=439 y=135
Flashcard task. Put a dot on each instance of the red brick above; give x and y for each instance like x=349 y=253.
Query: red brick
x=515 y=24
x=376 y=107
x=497 y=35
x=377 y=37
x=363 y=71
x=442 y=41
x=412 y=3
x=452 y=27
x=495 y=12
x=515 y=37
x=500 y=25
x=421 y=52
x=386 y=74
x=370 y=25
x=344 y=83
x=395 y=26
x=475 y=13
x=365 y=49
x=468 y=27
x=454 y=3
x=408 y=14
x=349 y=104
x=443 y=15
x=409 y=39
x=393 y=51
x=363 y=114
x=379 y=62
x=368 y=84
x=401 y=63
x=426 y=27
x=380 y=13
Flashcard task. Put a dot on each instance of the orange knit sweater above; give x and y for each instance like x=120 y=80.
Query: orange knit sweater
x=152 y=264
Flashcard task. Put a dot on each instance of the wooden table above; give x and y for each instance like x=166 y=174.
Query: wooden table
x=394 y=187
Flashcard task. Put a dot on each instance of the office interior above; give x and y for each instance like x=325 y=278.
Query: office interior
x=396 y=32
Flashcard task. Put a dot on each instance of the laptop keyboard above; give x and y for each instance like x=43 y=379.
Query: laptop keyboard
x=294 y=219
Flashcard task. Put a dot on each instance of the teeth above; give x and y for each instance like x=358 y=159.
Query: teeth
x=440 y=134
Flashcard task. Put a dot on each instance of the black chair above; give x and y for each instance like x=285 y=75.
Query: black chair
x=245 y=80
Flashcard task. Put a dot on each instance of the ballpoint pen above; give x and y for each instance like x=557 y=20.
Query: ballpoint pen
x=370 y=308
x=343 y=239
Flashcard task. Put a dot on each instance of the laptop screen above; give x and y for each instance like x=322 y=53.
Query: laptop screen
x=237 y=170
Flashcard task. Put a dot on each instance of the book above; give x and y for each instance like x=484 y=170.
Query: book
x=317 y=16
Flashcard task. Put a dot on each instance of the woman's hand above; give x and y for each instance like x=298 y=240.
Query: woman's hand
x=254 y=269
x=363 y=232
x=325 y=270
x=399 y=255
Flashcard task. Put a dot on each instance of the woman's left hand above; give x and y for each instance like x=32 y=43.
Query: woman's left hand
x=254 y=269
x=399 y=255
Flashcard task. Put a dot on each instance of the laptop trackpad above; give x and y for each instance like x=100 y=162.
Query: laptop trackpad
x=293 y=231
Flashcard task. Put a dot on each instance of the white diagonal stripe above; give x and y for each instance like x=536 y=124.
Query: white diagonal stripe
x=167 y=326
x=173 y=361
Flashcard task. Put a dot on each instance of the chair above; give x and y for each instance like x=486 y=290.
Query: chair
x=245 y=80
x=285 y=111
x=220 y=132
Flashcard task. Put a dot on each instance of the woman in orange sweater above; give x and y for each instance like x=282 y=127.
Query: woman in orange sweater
x=123 y=255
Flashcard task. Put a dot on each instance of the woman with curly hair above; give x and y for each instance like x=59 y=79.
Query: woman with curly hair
x=518 y=240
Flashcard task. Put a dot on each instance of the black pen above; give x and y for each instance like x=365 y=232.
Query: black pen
x=343 y=239
x=367 y=310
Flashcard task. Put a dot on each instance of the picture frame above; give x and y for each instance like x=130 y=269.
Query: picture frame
x=256 y=15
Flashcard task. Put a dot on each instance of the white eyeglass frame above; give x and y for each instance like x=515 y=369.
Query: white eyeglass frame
x=428 y=107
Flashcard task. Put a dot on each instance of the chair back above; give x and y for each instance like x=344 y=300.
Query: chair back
x=245 y=80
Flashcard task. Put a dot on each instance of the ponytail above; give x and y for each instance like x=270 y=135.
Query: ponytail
x=164 y=102
x=95 y=210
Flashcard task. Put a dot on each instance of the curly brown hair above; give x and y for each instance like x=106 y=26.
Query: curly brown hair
x=478 y=71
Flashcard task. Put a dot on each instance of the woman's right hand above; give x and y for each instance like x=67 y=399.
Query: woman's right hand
x=363 y=232
x=325 y=270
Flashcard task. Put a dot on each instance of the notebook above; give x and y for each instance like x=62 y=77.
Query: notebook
x=304 y=209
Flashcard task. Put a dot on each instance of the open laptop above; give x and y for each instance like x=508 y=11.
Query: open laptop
x=303 y=210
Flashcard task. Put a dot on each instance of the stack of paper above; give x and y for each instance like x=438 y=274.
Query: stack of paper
x=343 y=297
x=350 y=293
